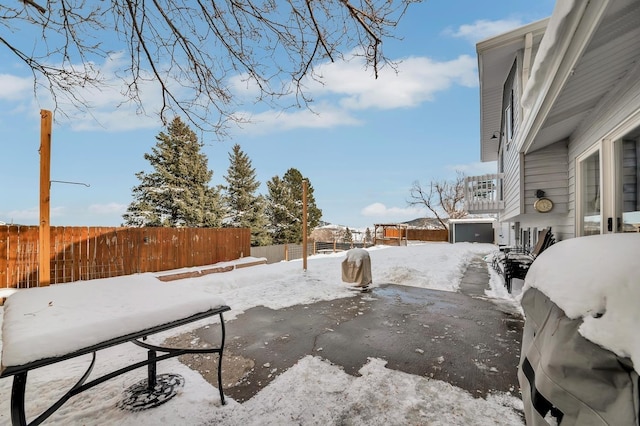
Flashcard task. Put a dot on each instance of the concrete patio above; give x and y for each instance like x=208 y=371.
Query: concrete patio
x=461 y=338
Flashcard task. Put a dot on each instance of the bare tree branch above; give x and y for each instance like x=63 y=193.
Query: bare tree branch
x=442 y=198
x=36 y=5
x=190 y=49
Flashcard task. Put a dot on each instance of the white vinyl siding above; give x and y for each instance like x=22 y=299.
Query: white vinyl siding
x=620 y=104
x=547 y=169
x=511 y=184
x=511 y=156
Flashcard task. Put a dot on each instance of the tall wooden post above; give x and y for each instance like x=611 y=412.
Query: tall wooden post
x=44 y=266
x=304 y=224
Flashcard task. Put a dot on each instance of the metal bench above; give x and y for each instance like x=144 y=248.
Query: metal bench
x=138 y=337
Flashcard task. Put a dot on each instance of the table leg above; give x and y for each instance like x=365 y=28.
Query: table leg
x=17 y=399
x=151 y=370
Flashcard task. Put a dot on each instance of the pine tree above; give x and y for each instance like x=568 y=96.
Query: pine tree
x=177 y=192
x=278 y=209
x=367 y=236
x=245 y=208
x=348 y=237
x=284 y=207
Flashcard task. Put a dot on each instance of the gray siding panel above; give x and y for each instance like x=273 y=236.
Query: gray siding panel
x=511 y=184
x=511 y=155
x=547 y=170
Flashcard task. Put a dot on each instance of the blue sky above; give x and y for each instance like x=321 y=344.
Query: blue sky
x=369 y=141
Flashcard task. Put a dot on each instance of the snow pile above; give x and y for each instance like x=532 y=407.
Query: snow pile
x=552 y=41
x=380 y=396
x=64 y=318
x=313 y=391
x=357 y=256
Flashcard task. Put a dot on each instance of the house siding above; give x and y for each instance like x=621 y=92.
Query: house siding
x=511 y=184
x=621 y=103
x=547 y=170
x=511 y=156
x=592 y=100
x=542 y=169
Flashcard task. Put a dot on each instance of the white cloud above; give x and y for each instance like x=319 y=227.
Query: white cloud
x=346 y=88
x=324 y=116
x=27 y=216
x=113 y=118
x=416 y=80
x=482 y=29
x=13 y=88
x=109 y=208
x=242 y=85
x=381 y=210
x=108 y=106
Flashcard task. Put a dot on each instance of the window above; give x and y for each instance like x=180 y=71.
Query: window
x=589 y=195
x=628 y=185
x=508 y=118
x=508 y=129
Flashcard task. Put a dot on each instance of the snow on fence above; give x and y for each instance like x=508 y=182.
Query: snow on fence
x=84 y=253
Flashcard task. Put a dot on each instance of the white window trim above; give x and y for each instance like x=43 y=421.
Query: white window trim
x=597 y=147
x=508 y=119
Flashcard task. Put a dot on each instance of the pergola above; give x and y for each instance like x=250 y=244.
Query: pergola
x=391 y=234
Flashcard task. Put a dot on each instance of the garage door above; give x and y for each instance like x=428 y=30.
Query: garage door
x=472 y=233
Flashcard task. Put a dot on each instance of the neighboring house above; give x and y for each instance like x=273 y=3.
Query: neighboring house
x=560 y=115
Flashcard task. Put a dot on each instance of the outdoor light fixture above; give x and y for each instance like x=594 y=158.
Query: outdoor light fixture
x=495 y=135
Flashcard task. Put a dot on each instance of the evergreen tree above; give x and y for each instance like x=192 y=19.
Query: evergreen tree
x=367 y=236
x=245 y=209
x=279 y=207
x=348 y=236
x=284 y=207
x=176 y=193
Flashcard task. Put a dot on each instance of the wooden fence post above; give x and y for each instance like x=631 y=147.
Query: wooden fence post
x=44 y=266
x=304 y=224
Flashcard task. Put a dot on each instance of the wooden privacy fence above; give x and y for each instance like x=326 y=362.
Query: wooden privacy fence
x=85 y=253
x=428 y=235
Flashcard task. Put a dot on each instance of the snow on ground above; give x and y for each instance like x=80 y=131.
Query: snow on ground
x=311 y=392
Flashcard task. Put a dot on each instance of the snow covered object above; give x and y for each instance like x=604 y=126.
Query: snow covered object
x=580 y=352
x=356 y=267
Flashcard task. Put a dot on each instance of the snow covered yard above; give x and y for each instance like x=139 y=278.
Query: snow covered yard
x=311 y=392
